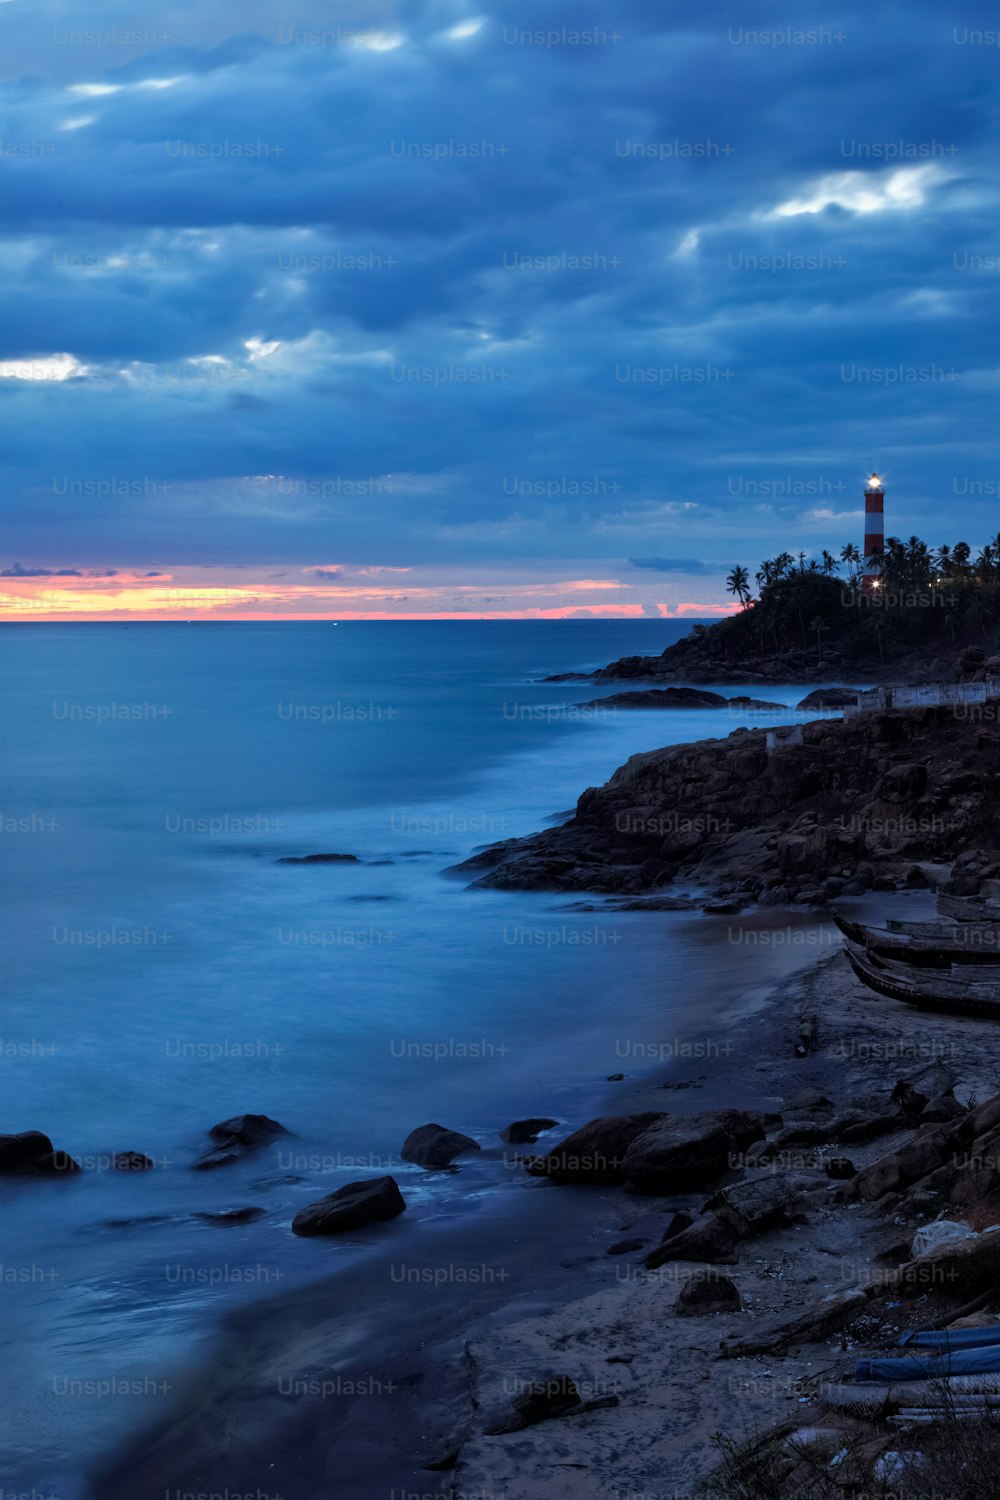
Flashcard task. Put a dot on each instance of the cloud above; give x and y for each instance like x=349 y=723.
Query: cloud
x=17 y=571
x=675 y=565
x=460 y=301
x=867 y=193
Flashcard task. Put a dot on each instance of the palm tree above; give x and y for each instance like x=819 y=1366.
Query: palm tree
x=829 y=562
x=852 y=557
x=821 y=628
x=918 y=560
x=738 y=583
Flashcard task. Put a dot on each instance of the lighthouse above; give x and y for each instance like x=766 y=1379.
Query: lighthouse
x=874 y=531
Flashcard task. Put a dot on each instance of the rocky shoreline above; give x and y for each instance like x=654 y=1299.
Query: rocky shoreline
x=729 y=653
x=774 y=1224
x=722 y=1264
x=884 y=800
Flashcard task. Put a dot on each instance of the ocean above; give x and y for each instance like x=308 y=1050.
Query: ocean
x=166 y=971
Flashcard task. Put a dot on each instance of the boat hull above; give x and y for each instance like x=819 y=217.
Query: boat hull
x=927 y=993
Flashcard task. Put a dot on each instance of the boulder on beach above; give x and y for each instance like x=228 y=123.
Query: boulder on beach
x=131 y=1161
x=680 y=1152
x=351 y=1207
x=752 y=1206
x=624 y=1247
x=709 y=1238
x=235 y=1137
x=706 y=1292
x=434 y=1146
x=594 y=1153
x=523 y=1132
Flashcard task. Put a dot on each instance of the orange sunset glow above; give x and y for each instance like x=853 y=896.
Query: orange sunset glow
x=168 y=595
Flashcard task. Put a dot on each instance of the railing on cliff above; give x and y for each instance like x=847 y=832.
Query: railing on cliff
x=928 y=695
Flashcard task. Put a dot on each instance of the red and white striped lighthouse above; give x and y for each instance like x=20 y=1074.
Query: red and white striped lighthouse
x=874 y=531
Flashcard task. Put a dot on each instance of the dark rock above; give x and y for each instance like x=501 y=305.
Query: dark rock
x=447 y=1458
x=131 y=1161
x=615 y=1077
x=249 y=1130
x=681 y=697
x=858 y=1126
x=434 y=1146
x=840 y=1168
x=232 y=1215
x=593 y=1154
x=219 y=1156
x=829 y=698
x=522 y=1132
x=681 y=1152
x=709 y=1238
x=679 y=1221
x=834 y=1312
x=57 y=1163
x=131 y=1222
x=750 y=1207
x=237 y=1136
x=22 y=1153
x=624 y=1247
x=351 y=1207
x=944 y=1107
x=902 y=784
x=551 y=1394
x=916 y=1090
x=318 y=859
x=928 y=1150
x=707 y=1292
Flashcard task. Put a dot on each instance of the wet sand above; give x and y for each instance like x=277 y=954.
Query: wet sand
x=413 y=1352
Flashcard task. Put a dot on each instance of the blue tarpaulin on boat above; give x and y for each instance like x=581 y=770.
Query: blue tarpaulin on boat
x=954 y=1338
x=931 y=1367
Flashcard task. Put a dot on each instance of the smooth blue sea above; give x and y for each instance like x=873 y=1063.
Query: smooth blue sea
x=165 y=971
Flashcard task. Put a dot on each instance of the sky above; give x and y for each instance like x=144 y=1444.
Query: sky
x=480 y=308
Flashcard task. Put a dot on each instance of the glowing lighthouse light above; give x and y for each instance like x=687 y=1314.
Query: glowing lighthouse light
x=874 y=532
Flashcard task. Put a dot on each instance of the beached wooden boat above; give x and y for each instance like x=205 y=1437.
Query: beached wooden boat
x=943 y=927
x=925 y=989
x=940 y=946
x=944 y=976
x=969 y=908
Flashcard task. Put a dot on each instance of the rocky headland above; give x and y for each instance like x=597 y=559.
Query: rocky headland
x=882 y=800
x=824 y=637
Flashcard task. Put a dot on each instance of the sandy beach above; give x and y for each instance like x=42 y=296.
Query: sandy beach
x=350 y=1382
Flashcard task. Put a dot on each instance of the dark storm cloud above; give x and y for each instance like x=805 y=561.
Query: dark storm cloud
x=674 y=565
x=672 y=298
x=17 y=571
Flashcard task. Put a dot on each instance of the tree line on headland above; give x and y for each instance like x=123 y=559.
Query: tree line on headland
x=924 y=601
x=902 y=567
